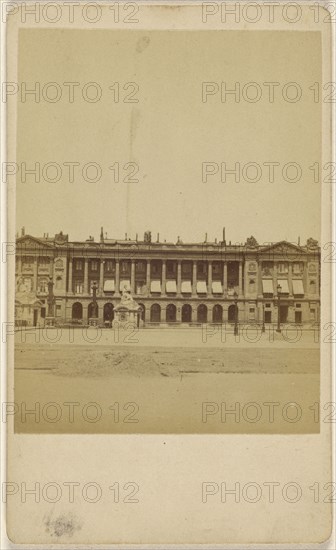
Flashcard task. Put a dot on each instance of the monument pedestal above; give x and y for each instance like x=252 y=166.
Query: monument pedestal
x=127 y=313
x=49 y=322
x=93 y=321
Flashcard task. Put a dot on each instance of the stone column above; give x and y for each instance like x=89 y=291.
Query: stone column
x=225 y=279
x=194 y=313
x=51 y=267
x=163 y=282
x=290 y=266
x=240 y=291
x=259 y=281
x=178 y=313
x=194 y=278
x=147 y=312
x=275 y=278
x=18 y=264
x=86 y=276
x=35 y=285
x=117 y=279
x=210 y=277
x=305 y=279
x=101 y=277
x=70 y=289
x=179 y=278
x=148 y=278
x=133 y=277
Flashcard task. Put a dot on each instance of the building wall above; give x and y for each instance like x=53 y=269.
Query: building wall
x=212 y=275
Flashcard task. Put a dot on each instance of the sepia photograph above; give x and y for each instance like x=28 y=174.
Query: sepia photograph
x=167 y=261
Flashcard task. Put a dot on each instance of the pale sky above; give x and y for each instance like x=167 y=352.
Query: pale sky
x=169 y=133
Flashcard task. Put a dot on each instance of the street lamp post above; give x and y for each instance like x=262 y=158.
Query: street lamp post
x=235 y=295
x=263 y=319
x=50 y=319
x=279 y=292
x=93 y=320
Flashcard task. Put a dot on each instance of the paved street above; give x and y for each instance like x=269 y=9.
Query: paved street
x=167 y=381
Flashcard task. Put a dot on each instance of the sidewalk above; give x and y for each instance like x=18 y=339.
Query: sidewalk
x=217 y=336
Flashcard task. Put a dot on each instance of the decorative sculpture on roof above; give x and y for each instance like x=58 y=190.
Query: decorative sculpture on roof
x=148 y=237
x=251 y=242
x=312 y=243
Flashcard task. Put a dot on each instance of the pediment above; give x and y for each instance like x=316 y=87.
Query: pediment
x=30 y=242
x=283 y=248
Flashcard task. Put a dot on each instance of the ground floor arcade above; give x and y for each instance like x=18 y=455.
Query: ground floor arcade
x=165 y=311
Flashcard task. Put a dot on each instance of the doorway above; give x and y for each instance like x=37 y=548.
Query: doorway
x=283 y=314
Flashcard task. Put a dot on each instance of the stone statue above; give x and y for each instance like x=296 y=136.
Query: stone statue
x=128 y=311
x=251 y=242
x=148 y=237
x=126 y=297
x=312 y=243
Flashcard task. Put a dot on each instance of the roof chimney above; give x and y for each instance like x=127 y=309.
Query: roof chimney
x=101 y=235
x=22 y=231
x=299 y=240
x=158 y=238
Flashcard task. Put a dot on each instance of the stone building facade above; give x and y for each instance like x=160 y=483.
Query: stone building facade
x=174 y=283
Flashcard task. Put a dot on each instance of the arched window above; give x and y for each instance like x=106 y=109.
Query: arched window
x=77 y=311
x=186 y=313
x=202 y=313
x=155 y=313
x=171 y=313
x=217 y=314
x=108 y=312
x=232 y=313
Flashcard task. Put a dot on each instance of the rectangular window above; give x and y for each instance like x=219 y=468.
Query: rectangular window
x=109 y=264
x=283 y=267
x=141 y=267
x=155 y=269
x=201 y=268
x=79 y=288
x=94 y=265
x=267 y=268
x=79 y=265
x=297 y=305
x=124 y=267
x=27 y=262
x=298 y=317
x=171 y=267
x=44 y=262
x=312 y=314
x=43 y=285
x=140 y=288
x=297 y=267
